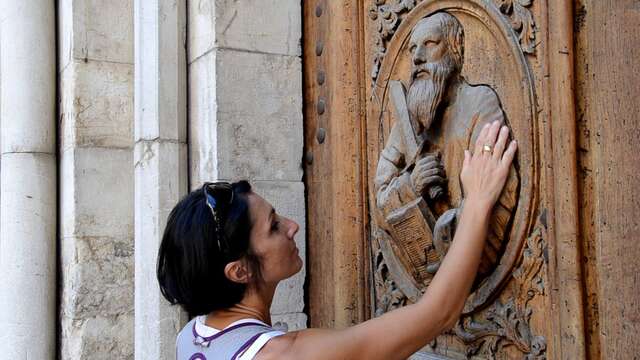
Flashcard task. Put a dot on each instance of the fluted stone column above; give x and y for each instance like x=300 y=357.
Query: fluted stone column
x=160 y=163
x=28 y=180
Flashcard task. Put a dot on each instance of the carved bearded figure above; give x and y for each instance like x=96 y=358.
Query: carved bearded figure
x=446 y=114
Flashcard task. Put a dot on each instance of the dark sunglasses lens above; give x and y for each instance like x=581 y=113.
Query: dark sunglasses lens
x=221 y=192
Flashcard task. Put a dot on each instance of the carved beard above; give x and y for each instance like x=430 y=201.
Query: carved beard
x=426 y=93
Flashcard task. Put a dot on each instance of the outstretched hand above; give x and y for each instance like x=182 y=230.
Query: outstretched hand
x=484 y=172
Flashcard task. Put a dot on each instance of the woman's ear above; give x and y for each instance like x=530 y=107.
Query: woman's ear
x=236 y=271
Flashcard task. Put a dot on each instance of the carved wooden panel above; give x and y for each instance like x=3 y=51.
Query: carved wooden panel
x=440 y=71
x=409 y=82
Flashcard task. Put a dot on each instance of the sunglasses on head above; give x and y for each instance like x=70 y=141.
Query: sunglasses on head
x=217 y=195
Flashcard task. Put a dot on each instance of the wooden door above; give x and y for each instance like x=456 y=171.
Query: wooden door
x=374 y=245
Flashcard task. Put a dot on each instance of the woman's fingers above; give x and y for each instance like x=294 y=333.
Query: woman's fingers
x=501 y=143
x=494 y=129
x=508 y=155
x=480 y=141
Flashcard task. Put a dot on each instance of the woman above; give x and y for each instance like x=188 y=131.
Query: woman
x=225 y=249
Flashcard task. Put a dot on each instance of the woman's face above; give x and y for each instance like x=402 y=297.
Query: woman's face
x=272 y=240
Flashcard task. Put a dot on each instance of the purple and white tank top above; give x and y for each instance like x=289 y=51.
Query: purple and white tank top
x=240 y=340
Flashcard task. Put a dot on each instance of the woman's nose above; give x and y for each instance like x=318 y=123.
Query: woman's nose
x=293 y=228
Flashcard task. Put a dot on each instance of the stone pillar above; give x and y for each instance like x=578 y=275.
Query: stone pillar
x=97 y=179
x=245 y=114
x=161 y=177
x=28 y=180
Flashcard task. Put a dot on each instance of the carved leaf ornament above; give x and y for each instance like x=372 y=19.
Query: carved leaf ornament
x=508 y=323
x=522 y=21
x=387 y=14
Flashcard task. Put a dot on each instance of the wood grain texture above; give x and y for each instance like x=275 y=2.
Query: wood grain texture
x=607 y=45
x=565 y=245
x=338 y=289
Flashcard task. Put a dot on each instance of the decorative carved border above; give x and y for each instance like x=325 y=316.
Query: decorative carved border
x=500 y=325
x=388 y=14
x=507 y=323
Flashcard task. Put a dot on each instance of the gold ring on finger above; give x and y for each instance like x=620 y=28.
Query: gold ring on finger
x=487 y=148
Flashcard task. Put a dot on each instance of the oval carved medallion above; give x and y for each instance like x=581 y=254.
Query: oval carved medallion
x=450 y=67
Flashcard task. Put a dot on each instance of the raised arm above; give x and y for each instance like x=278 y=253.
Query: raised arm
x=402 y=332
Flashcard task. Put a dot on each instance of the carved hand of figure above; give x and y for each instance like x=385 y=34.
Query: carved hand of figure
x=427 y=175
x=484 y=172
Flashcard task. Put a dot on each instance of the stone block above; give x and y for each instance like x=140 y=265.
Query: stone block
x=203 y=131
x=288 y=200
x=97 y=277
x=161 y=72
x=245 y=117
x=97 y=254
x=96 y=30
x=259 y=116
x=97 y=192
x=87 y=338
x=266 y=26
x=97 y=105
x=161 y=181
x=289 y=322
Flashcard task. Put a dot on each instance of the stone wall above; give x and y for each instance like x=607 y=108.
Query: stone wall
x=245 y=111
x=223 y=103
x=96 y=178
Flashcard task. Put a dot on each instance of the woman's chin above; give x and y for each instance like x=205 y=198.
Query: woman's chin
x=297 y=264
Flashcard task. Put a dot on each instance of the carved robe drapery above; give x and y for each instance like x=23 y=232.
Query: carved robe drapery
x=467 y=110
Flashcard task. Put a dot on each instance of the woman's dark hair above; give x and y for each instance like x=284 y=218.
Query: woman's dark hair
x=190 y=261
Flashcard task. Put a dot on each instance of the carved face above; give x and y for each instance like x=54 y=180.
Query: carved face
x=431 y=67
x=427 y=45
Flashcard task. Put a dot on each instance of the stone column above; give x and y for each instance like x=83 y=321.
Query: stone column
x=245 y=111
x=97 y=179
x=160 y=163
x=28 y=180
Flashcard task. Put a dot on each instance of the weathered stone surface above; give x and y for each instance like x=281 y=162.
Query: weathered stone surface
x=28 y=76
x=288 y=200
x=86 y=338
x=289 y=322
x=97 y=253
x=97 y=105
x=95 y=30
x=254 y=102
x=260 y=116
x=97 y=277
x=161 y=73
x=97 y=193
x=266 y=26
x=161 y=180
x=203 y=138
x=27 y=256
x=160 y=157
